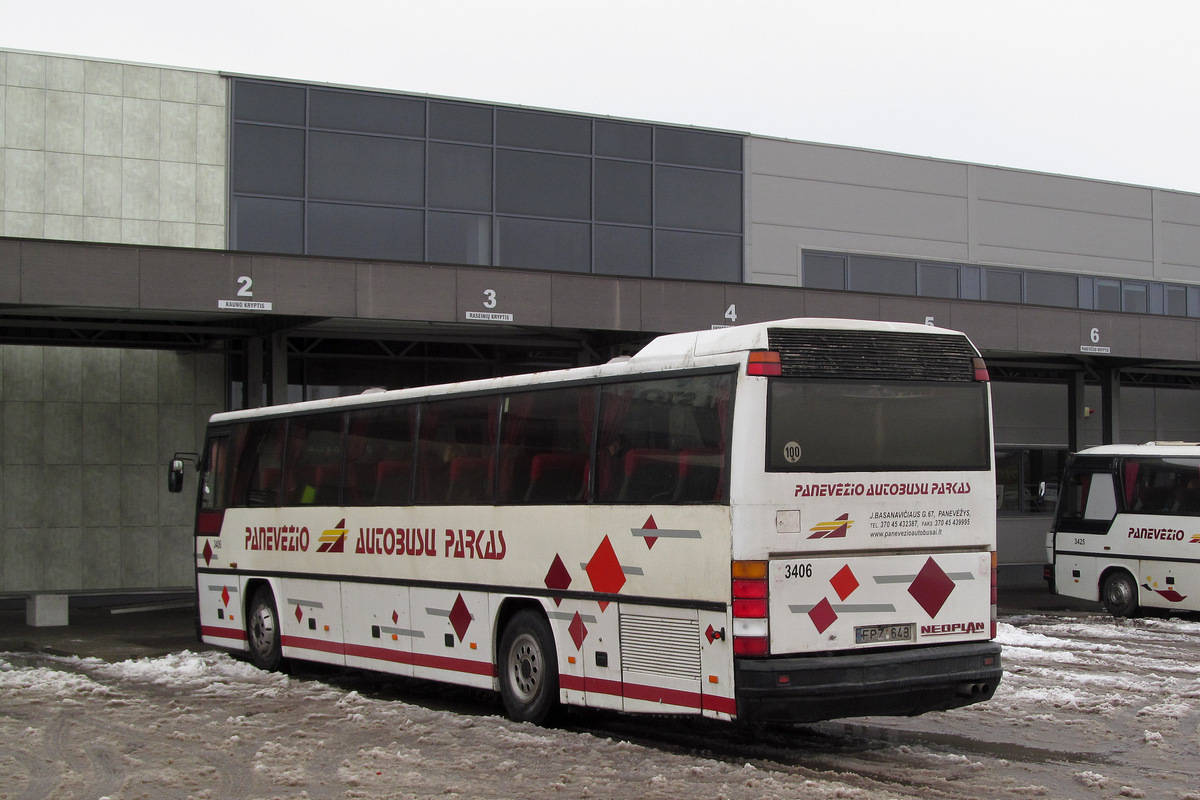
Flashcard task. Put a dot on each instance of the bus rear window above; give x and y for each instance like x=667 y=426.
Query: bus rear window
x=843 y=426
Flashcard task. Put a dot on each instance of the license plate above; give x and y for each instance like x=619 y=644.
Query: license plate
x=872 y=634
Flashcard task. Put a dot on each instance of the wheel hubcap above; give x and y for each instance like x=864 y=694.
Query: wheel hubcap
x=525 y=664
x=262 y=631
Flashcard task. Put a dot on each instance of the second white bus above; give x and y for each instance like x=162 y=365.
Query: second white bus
x=1127 y=528
x=784 y=521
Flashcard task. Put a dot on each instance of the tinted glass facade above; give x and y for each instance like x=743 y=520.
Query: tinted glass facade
x=336 y=172
x=860 y=273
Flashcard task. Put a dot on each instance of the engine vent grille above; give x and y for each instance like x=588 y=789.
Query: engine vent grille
x=657 y=646
x=872 y=355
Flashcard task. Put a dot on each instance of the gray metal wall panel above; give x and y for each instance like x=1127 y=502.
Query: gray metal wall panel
x=1033 y=414
x=1167 y=338
x=10 y=271
x=209 y=277
x=1120 y=333
x=524 y=295
x=306 y=286
x=670 y=306
x=853 y=208
x=66 y=275
x=406 y=292
x=600 y=303
x=990 y=327
x=1036 y=236
x=833 y=164
x=765 y=303
x=842 y=305
x=1177 y=247
x=1049 y=330
x=1061 y=192
x=915 y=309
x=775 y=253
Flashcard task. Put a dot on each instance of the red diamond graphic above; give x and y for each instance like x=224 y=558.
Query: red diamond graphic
x=711 y=634
x=604 y=571
x=823 y=615
x=558 y=577
x=931 y=588
x=208 y=554
x=395 y=617
x=225 y=595
x=844 y=583
x=299 y=613
x=650 y=526
x=578 y=631
x=460 y=617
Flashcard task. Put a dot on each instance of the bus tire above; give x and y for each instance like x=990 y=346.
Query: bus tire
x=262 y=631
x=1120 y=594
x=528 y=667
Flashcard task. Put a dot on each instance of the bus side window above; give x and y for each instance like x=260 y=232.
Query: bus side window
x=259 y=468
x=456 y=451
x=664 y=441
x=379 y=456
x=544 y=443
x=214 y=478
x=314 y=465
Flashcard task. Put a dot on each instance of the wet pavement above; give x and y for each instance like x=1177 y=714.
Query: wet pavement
x=152 y=628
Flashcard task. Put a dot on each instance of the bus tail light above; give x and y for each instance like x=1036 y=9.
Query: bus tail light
x=995 y=594
x=981 y=370
x=750 y=627
x=764 y=362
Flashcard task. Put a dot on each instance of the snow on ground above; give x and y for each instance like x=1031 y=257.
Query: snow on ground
x=1090 y=707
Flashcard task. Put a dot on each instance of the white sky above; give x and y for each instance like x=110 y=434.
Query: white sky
x=1093 y=88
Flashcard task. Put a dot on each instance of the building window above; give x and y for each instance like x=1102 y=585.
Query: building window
x=883 y=275
x=409 y=178
x=860 y=273
x=1002 y=286
x=935 y=280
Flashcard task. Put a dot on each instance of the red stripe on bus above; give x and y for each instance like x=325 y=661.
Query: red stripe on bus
x=447 y=663
x=223 y=633
x=321 y=646
x=653 y=694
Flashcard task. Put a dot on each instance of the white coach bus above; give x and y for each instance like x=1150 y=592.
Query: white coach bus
x=785 y=521
x=1127 y=528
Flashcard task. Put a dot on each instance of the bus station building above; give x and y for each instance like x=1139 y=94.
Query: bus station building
x=175 y=243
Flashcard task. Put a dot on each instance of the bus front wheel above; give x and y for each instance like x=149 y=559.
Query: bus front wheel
x=262 y=631
x=528 y=668
x=1119 y=593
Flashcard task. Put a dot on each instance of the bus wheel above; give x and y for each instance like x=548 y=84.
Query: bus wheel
x=262 y=631
x=1119 y=593
x=528 y=668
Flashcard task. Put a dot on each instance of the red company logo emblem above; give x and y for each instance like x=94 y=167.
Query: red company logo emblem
x=334 y=539
x=834 y=529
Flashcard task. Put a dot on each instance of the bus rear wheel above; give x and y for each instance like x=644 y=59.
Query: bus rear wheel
x=262 y=631
x=528 y=668
x=1119 y=593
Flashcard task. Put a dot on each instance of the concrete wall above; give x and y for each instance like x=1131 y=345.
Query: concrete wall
x=820 y=197
x=107 y=152
x=83 y=451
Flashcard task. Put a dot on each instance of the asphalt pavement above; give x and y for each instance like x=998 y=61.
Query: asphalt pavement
x=147 y=629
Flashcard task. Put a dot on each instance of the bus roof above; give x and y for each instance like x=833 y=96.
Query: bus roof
x=1146 y=449
x=680 y=350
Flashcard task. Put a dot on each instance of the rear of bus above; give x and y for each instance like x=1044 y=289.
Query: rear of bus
x=863 y=504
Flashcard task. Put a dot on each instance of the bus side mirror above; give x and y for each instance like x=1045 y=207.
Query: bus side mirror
x=175 y=471
x=175 y=476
